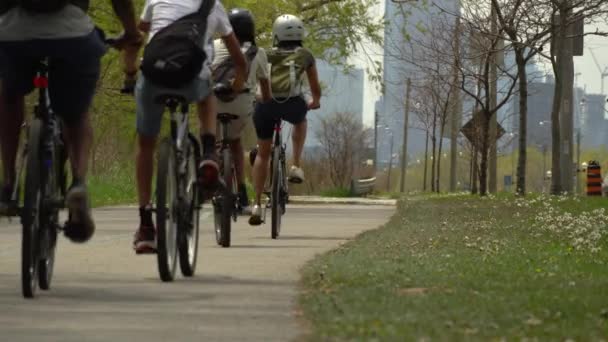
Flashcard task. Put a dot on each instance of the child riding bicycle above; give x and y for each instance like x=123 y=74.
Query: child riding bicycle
x=241 y=105
x=290 y=62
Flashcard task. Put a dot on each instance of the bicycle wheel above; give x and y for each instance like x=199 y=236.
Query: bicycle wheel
x=224 y=203
x=55 y=189
x=32 y=207
x=188 y=234
x=166 y=188
x=275 y=193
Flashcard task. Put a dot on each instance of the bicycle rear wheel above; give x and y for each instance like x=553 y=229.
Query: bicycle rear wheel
x=275 y=193
x=166 y=189
x=225 y=203
x=55 y=189
x=32 y=207
x=188 y=239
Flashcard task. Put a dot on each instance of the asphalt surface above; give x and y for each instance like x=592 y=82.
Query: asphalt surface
x=102 y=291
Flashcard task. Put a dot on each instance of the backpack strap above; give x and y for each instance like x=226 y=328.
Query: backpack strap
x=205 y=9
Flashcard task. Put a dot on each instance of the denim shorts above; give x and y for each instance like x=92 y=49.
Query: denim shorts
x=74 y=65
x=292 y=110
x=150 y=111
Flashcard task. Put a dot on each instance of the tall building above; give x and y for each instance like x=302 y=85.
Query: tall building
x=342 y=92
x=402 y=29
x=595 y=125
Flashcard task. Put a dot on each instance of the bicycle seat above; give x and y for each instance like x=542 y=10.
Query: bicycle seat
x=226 y=117
x=168 y=98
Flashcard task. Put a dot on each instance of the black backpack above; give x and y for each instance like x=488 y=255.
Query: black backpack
x=225 y=71
x=175 y=55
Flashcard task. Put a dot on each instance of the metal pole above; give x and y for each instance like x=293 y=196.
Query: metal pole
x=578 y=158
x=390 y=166
x=375 y=141
x=405 y=129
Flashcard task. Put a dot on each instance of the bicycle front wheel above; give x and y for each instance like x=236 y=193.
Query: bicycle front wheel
x=188 y=240
x=166 y=218
x=30 y=218
x=225 y=203
x=275 y=193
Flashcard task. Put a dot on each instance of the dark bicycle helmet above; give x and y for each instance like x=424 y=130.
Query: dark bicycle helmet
x=243 y=24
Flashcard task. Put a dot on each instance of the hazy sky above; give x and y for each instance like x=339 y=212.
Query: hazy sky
x=590 y=74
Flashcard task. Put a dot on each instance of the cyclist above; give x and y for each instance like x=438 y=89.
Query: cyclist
x=243 y=24
x=62 y=31
x=156 y=15
x=290 y=63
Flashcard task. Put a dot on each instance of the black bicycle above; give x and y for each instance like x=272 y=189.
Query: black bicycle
x=43 y=160
x=226 y=204
x=278 y=192
x=177 y=194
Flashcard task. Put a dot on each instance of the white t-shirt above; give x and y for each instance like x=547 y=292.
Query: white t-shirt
x=161 y=13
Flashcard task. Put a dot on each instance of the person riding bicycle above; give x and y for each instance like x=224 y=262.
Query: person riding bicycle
x=158 y=14
x=243 y=24
x=61 y=31
x=290 y=62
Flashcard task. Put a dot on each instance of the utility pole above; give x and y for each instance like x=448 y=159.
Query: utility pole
x=375 y=141
x=406 y=117
x=567 y=120
x=456 y=110
x=493 y=156
x=390 y=165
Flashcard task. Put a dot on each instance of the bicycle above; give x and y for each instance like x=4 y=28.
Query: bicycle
x=177 y=194
x=43 y=159
x=278 y=192
x=225 y=202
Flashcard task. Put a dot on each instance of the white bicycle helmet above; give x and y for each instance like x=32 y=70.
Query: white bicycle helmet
x=288 y=27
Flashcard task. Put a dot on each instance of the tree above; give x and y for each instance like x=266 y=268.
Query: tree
x=342 y=138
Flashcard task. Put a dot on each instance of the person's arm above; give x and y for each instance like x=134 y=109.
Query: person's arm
x=126 y=14
x=240 y=63
x=265 y=89
x=263 y=75
x=315 y=87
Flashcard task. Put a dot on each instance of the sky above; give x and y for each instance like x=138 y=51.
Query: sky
x=590 y=74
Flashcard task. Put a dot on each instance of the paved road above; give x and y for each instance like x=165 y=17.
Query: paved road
x=103 y=292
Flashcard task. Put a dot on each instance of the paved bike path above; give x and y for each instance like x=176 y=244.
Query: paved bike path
x=103 y=292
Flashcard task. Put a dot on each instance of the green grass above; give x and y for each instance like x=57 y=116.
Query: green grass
x=461 y=268
x=113 y=188
x=336 y=192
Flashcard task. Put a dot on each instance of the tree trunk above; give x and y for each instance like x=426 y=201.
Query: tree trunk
x=438 y=180
x=556 y=177
x=523 y=120
x=475 y=171
x=485 y=146
x=426 y=162
x=434 y=151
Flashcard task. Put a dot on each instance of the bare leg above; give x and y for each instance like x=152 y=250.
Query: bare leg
x=298 y=138
x=207 y=115
x=236 y=147
x=11 y=117
x=145 y=168
x=79 y=138
x=260 y=168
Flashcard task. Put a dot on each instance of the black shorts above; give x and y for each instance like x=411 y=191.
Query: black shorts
x=74 y=65
x=292 y=110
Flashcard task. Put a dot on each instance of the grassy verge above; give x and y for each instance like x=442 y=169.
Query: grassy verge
x=463 y=268
x=113 y=188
